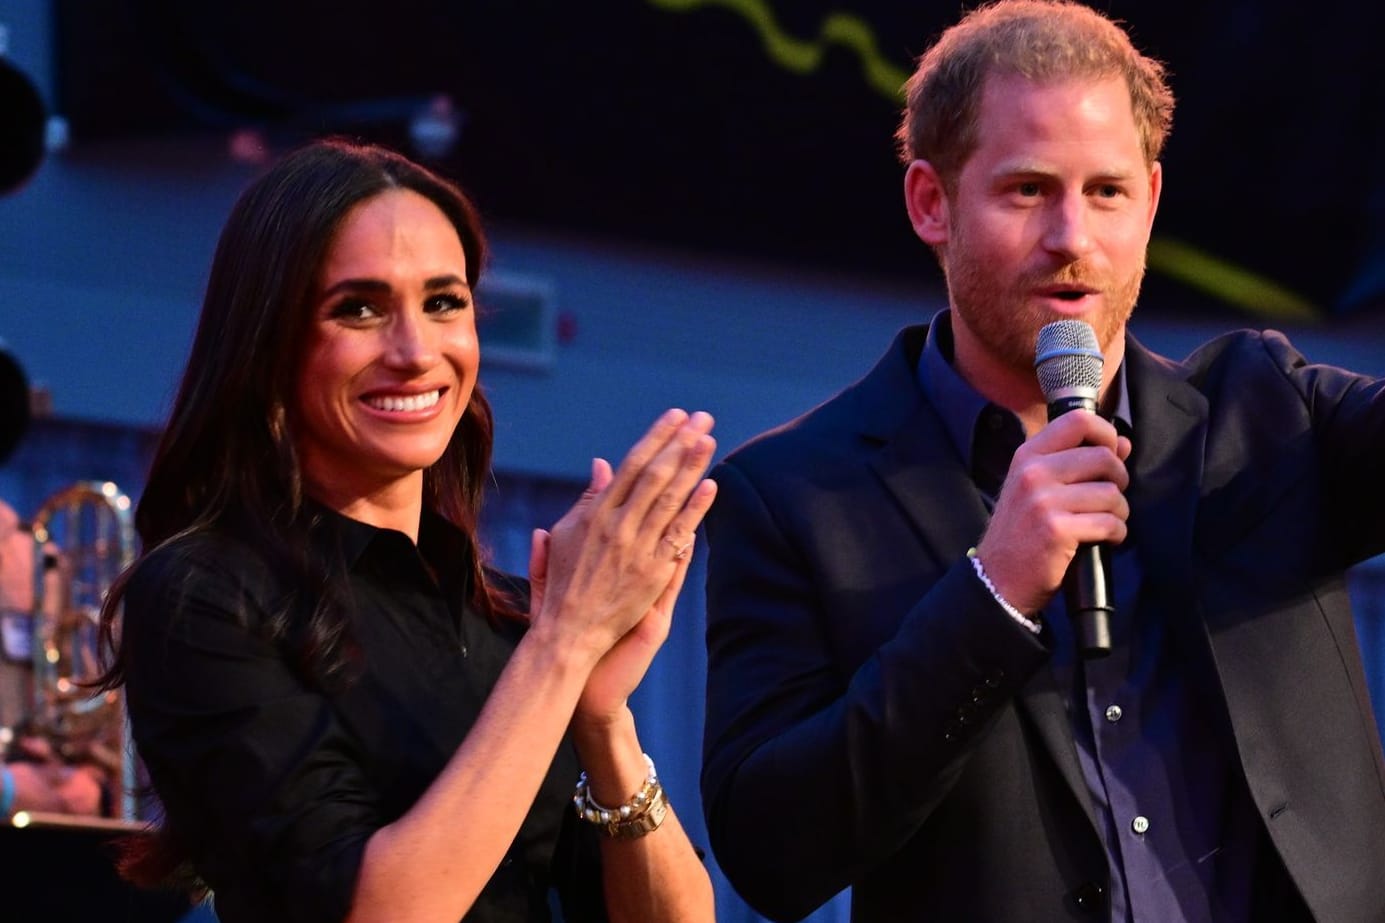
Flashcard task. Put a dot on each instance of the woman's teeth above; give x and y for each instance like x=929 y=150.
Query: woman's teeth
x=405 y=404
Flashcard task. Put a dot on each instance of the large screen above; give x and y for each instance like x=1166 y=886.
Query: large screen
x=761 y=127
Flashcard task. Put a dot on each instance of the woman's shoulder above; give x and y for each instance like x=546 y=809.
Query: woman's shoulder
x=201 y=569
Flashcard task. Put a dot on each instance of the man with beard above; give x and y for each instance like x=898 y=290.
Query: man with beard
x=896 y=701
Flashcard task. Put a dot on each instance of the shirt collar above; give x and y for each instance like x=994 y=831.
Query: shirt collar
x=338 y=538
x=964 y=410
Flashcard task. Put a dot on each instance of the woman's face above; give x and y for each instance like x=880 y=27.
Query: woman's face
x=391 y=355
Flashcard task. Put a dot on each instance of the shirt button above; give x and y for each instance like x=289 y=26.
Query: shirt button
x=1140 y=824
x=1113 y=713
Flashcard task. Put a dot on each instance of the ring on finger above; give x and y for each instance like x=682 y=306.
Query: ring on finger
x=680 y=548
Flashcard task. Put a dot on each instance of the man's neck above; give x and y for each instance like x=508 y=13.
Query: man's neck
x=1017 y=388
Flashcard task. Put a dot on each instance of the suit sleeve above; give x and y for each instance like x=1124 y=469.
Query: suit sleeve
x=1348 y=418
x=816 y=769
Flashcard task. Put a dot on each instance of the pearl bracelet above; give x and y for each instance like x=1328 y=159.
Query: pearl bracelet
x=642 y=814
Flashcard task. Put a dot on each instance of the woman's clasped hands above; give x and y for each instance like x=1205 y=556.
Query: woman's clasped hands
x=606 y=577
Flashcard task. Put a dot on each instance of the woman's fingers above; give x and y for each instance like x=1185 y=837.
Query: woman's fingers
x=601 y=475
x=663 y=488
x=625 y=546
x=676 y=538
x=653 y=483
x=641 y=454
x=538 y=569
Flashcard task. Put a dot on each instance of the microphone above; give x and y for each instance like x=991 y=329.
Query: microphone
x=1068 y=361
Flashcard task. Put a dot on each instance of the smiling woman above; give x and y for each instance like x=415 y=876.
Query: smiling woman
x=391 y=357
x=346 y=715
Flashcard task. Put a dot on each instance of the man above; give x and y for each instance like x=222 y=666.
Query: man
x=895 y=698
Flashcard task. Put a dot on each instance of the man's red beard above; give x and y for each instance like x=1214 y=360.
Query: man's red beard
x=1007 y=319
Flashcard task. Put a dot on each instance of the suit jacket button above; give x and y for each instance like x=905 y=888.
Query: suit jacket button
x=1089 y=897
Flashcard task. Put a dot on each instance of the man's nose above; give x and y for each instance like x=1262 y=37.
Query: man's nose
x=1068 y=232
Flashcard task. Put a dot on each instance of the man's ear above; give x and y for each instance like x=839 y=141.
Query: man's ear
x=926 y=200
x=1156 y=186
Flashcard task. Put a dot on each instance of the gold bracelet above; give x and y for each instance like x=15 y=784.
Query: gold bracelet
x=642 y=814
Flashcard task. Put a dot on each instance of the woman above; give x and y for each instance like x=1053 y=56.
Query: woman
x=345 y=715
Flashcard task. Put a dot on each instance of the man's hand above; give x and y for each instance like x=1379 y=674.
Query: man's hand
x=1066 y=487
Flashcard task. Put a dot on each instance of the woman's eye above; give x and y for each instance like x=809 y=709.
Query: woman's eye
x=353 y=309
x=445 y=303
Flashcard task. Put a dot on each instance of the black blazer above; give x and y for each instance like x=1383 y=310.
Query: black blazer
x=875 y=720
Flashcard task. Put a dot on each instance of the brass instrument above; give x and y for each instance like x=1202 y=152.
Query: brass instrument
x=84 y=538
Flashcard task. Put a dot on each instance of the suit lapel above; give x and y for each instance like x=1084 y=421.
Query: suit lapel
x=1170 y=420
x=920 y=468
x=915 y=459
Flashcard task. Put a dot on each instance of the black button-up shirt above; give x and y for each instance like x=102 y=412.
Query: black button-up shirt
x=274 y=784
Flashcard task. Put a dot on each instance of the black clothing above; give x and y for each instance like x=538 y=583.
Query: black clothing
x=273 y=784
x=863 y=685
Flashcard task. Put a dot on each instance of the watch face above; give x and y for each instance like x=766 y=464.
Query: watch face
x=646 y=821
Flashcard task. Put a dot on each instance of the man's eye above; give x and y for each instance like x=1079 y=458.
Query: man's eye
x=1028 y=190
x=1108 y=191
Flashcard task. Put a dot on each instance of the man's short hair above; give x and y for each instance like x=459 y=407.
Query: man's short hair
x=1040 y=40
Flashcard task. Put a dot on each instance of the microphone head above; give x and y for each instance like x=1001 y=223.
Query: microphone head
x=1068 y=360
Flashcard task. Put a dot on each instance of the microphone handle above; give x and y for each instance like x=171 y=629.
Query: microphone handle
x=1087 y=587
x=1087 y=584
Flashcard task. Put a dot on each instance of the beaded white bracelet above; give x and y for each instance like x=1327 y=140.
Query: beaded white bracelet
x=642 y=814
x=1014 y=613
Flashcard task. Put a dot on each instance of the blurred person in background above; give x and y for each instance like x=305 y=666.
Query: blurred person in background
x=32 y=776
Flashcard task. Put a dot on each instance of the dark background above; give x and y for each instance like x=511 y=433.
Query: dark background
x=638 y=120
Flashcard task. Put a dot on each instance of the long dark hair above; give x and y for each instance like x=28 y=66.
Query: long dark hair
x=226 y=460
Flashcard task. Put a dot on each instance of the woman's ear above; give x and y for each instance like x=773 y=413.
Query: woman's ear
x=926 y=199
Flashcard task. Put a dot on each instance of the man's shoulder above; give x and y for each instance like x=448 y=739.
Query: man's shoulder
x=812 y=432
x=1229 y=350
x=836 y=428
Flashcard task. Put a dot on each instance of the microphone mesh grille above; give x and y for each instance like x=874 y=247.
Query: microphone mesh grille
x=1067 y=358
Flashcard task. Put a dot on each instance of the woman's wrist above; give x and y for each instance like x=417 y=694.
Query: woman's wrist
x=638 y=816
x=608 y=750
x=558 y=652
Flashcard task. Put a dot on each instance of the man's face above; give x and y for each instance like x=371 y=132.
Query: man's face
x=1048 y=219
